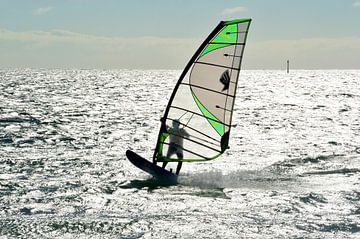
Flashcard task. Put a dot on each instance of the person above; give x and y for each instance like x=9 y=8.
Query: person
x=176 y=141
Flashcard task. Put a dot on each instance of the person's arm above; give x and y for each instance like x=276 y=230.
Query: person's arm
x=185 y=134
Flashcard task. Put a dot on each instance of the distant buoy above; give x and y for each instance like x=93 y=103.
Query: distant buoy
x=288 y=67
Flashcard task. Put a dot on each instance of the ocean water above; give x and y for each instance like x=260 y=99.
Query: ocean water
x=292 y=170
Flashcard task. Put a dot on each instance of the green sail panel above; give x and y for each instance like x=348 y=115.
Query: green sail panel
x=237 y=21
x=215 y=123
x=163 y=137
x=224 y=38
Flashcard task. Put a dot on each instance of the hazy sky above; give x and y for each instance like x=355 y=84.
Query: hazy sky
x=163 y=34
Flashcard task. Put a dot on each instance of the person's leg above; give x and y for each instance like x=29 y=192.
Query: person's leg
x=178 y=168
x=170 y=152
x=180 y=156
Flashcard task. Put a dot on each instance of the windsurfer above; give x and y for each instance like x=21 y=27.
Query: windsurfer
x=176 y=143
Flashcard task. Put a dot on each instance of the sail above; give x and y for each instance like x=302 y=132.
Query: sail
x=198 y=116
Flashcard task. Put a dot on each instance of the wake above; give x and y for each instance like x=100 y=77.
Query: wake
x=237 y=179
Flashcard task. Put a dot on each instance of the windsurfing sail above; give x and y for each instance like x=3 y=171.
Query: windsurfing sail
x=203 y=99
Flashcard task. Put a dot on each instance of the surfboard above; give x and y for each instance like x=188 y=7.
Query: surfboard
x=157 y=172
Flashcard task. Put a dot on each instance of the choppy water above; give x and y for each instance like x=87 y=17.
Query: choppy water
x=293 y=169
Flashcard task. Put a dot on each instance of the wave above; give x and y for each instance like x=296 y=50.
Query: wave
x=17 y=119
x=335 y=171
x=291 y=163
x=313 y=198
x=331 y=227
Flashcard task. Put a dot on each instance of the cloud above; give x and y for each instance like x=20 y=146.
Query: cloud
x=42 y=11
x=229 y=11
x=356 y=4
x=66 y=49
x=63 y=36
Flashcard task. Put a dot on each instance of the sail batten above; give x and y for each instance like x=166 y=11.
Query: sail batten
x=227 y=43
x=212 y=64
x=203 y=99
x=201 y=115
x=199 y=143
x=204 y=88
x=209 y=137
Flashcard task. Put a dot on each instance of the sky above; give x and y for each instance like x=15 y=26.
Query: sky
x=163 y=34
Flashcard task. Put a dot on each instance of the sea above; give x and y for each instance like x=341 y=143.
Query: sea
x=292 y=170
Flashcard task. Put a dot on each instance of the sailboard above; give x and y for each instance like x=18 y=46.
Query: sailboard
x=202 y=102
